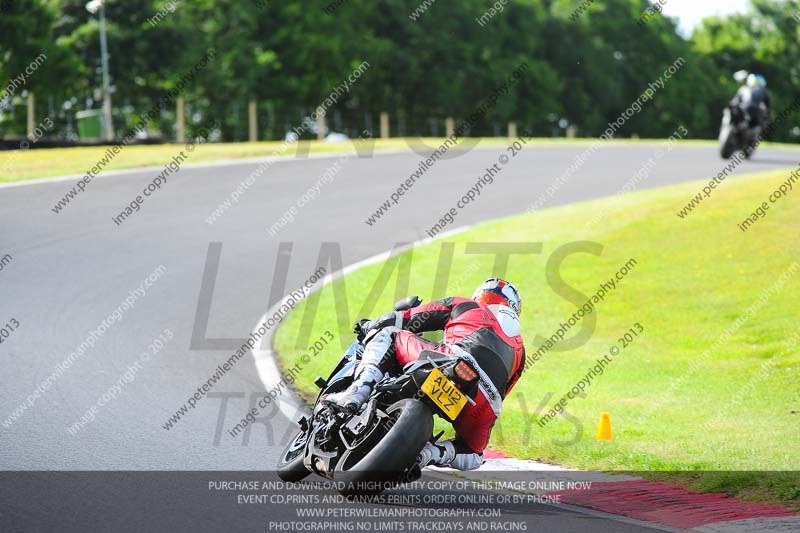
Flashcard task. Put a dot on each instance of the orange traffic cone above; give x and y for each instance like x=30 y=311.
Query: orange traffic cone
x=604 y=428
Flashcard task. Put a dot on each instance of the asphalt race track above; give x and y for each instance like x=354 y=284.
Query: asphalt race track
x=70 y=271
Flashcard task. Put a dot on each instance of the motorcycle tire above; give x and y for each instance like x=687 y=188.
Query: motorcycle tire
x=290 y=464
x=370 y=471
x=728 y=145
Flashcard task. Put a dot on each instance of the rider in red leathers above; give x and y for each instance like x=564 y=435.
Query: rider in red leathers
x=484 y=330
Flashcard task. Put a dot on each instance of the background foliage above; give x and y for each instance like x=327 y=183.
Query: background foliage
x=289 y=55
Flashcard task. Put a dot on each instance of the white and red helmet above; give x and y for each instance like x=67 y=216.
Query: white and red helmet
x=495 y=291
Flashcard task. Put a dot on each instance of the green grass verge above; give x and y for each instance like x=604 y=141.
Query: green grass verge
x=17 y=165
x=737 y=411
x=41 y=163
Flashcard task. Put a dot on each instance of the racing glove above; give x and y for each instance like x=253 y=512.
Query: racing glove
x=363 y=327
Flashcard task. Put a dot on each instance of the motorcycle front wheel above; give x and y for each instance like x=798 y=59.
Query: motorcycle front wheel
x=290 y=463
x=727 y=136
x=728 y=147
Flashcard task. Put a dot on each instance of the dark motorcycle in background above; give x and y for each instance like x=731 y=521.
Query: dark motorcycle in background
x=741 y=127
x=377 y=447
x=737 y=134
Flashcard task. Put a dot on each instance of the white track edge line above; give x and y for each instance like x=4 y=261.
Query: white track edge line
x=266 y=367
x=291 y=406
x=222 y=163
x=285 y=159
x=205 y=164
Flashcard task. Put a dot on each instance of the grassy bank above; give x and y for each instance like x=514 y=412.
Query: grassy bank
x=711 y=384
x=41 y=163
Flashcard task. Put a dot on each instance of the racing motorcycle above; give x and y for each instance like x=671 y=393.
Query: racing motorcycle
x=377 y=447
x=736 y=133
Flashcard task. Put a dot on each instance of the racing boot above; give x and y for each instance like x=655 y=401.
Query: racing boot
x=436 y=454
x=353 y=397
x=367 y=375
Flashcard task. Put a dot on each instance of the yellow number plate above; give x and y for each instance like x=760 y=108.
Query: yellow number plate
x=444 y=393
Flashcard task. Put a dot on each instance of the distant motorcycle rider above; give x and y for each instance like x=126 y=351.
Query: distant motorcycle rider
x=485 y=331
x=754 y=101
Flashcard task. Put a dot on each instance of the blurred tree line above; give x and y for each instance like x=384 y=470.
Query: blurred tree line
x=289 y=55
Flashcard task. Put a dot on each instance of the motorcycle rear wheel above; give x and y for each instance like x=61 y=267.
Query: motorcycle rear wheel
x=370 y=470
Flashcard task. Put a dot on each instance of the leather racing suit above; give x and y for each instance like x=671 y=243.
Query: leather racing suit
x=489 y=337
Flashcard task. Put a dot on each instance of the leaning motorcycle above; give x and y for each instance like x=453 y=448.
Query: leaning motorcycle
x=377 y=447
x=736 y=134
